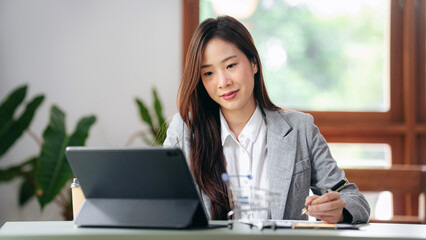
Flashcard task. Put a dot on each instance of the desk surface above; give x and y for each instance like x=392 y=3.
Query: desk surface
x=67 y=230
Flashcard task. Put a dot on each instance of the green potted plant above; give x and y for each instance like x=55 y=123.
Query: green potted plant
x=46 y=174
x=154 y=118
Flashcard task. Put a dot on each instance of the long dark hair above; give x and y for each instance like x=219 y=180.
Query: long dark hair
x=201 y=113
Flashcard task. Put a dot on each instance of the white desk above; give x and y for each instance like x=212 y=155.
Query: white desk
x=67 y=230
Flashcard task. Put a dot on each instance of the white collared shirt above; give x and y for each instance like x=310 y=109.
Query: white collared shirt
x=248 y=155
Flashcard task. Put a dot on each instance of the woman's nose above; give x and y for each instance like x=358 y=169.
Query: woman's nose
x=224 y=80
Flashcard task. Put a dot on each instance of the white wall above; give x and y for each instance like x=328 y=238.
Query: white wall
x=88 y=57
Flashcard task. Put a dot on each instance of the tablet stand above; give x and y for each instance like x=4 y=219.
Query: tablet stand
x=150 y=213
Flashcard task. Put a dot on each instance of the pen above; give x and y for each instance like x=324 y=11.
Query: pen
x=336 y=188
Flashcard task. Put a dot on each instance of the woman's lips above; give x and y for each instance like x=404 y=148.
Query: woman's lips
x=229 y=95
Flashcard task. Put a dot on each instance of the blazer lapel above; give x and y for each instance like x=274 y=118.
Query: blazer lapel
x=281 y=146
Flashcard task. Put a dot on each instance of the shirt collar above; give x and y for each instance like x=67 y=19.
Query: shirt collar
x=250 y=130
x=225 y=132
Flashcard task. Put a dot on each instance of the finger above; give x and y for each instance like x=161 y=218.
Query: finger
x=327 y=206
x=327 y=219
x=311 y=198
x=323 y=218
x=330 y=220
x=326 y=198
x=336 y=212
x=333 y=216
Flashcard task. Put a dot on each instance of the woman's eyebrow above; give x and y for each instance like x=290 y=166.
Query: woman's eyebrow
x=224 y=60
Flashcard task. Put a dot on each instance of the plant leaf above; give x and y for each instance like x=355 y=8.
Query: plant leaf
x=16 y=171
x=162 y=133
x=158 y=108
x=11 y=103
x=12 y=130
x=25 y=170
x=26 y=192
x=78 y=138
x=52 y=169
x=10 y=173
x=144 y=114
x=27 y=189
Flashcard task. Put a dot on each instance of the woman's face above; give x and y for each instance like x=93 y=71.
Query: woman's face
x=228 y=77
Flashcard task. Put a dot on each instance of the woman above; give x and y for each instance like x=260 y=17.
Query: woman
x=227 y=123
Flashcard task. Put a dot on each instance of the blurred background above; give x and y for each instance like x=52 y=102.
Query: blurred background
x=356 y=66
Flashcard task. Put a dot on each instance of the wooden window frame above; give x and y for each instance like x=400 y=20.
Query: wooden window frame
x=403 y=127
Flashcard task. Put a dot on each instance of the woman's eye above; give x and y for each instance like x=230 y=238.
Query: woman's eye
x=208 y=74
x=231 y=65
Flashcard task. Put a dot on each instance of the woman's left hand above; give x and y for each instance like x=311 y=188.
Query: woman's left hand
x=327 y=207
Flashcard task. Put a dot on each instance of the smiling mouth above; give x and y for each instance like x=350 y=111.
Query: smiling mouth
x=229 y=95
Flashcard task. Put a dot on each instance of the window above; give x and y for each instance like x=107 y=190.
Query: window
x=319 y=55
x=361 y=155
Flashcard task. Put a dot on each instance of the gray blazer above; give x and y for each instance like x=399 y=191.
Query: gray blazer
x=299 y=159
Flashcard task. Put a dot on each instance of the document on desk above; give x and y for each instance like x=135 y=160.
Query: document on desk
x=302 y=224
x=313 y=225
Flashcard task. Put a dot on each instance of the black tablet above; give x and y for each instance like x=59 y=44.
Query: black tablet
x=136 y=187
